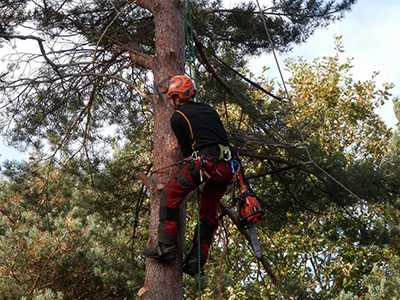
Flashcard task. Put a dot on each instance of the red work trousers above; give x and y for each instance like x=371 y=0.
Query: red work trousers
x=217 y=174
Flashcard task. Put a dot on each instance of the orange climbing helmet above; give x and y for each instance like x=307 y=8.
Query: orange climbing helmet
x=180 y=85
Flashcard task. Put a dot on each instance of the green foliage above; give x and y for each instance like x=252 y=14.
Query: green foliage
x=382 y=283
x=290 y=22
x=347 y=119
x=79 y=227
x=73 y=226
x=65 y=98
x=64 y=239
x=13 y=13
x=395 y=143
x=317 y=237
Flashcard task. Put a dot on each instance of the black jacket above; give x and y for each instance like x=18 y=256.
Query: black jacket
x=206 y=126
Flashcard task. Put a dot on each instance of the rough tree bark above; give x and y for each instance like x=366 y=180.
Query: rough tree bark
x=164 y=280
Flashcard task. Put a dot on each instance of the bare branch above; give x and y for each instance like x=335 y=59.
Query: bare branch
x=141 y=59
x=76 y=122
x=263 y=141
x=104 y=32
x=246 y=235
x=40 y=42
x=130 y=84
x=55 y=251
x=144 y=178
x=3 y=75
x=147 y=4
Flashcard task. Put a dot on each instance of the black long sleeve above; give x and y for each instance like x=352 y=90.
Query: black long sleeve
x=182 y=132
x=206 y=126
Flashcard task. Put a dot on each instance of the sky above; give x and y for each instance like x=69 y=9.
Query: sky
x=370 y=35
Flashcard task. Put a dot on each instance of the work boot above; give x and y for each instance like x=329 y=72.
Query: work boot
x=161 y=252
x=191 y=266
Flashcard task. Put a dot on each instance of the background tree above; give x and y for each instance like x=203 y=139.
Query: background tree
x=92 y=72
x=71 y=231
x=78 y=233
x=329 y=236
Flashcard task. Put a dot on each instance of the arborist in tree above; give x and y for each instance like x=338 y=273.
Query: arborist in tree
x=204 y=144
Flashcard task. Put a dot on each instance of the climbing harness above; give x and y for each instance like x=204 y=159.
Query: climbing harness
x=221 y=153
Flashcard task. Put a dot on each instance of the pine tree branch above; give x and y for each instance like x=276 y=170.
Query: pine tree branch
x=20 y=250
x=141 y=59
x=273 y=171
x=263 y=141
x=246 y=235
x=147 y=4
x=55 y=251
x=130 y=84
x=41 y=47
x=208 y=65
x=144 y=178
x=7 y=216
x=268 y=157
x=249 y=107
x=267 y=12
x=87 y=108
x=137 y=57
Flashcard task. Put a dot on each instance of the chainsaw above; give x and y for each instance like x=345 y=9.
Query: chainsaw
x=248 y=212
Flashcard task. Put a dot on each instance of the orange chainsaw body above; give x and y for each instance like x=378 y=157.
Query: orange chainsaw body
x=249 y=210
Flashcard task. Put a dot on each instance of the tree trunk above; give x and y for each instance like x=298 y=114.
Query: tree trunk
x=164 y=280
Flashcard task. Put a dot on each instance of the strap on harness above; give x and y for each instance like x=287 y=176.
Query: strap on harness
x=190 y=126
x=222 y=152
x=219 y=152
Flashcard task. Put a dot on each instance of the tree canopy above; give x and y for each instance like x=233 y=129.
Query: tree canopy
x=83 y=55
x=73 y=227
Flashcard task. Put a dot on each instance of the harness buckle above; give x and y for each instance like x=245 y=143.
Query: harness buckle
x=204 y=176
x=226 y=153
x=196 y=155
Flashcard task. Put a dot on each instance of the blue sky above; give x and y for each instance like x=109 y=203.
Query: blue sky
x=371 y=35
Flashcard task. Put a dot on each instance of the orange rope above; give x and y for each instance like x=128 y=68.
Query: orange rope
x=241 y=182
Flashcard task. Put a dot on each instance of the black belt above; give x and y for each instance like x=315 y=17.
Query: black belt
x=219 y=152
